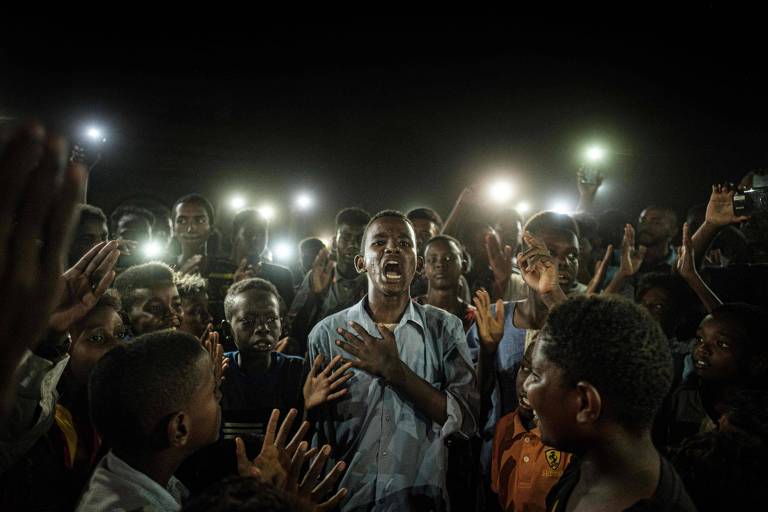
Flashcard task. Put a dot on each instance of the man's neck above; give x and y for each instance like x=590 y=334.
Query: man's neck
x=159 y=466
x=255 y=363
x=387 y=309
x=447 y=299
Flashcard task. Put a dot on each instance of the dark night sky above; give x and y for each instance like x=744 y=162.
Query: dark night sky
x=400 y=119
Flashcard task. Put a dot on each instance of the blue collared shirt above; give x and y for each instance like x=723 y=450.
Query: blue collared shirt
x=396 y=456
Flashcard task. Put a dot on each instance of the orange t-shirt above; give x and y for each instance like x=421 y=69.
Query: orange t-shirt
x=522 y=468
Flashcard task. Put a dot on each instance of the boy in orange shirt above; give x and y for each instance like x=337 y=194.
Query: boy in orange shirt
x=523 y=469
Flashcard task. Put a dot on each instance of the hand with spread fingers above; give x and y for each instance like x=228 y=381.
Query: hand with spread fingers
x=84 y=283
x=631 y=258
x=211 y=344
x=490 y=328
x=325 y=384
x=600 y=268
x=312 y=488
x=377 y=356
x=537 y=266
x=720 y=207
x=322 y=271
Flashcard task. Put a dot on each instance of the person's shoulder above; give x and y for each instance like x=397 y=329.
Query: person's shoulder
x=670 y=495
x=288 y=360
x=275 y=270
x=331 y=322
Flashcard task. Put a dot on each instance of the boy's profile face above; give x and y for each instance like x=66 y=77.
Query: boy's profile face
x=255 y=321
x=550 y=399
x=564 y=247
x=92 y=337
x=348 y=240
x=191 y=224
x=442 y=265
x=425 y=229
x=196 y=316
x=203 y=408
x=523 y=404
x=389 y=256
x=717 y=351
x=156 y=308
x=654 y=227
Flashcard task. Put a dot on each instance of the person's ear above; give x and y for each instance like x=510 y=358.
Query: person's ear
x=590 y=403
x=360 y=264
x=177 y=430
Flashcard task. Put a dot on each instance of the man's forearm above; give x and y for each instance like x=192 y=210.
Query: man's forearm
x=701 y=240
x=532 y=313
x=430 y=401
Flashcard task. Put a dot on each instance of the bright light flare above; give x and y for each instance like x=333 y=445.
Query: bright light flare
x=595 y=154
x=152 y=250
x=501 y=191
x=95 y=134
x=237 y=202
x=304 y=201
x=561 y=206
x=283 y=251
x=523 y=207
x=267 y=212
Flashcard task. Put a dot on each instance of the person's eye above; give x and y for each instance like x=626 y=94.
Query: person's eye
x=405 y=243
x=181 y=221
x=723 y=345
x=272 y=319
x=121 y=333
x=97 y=338
x=698 y=340
x=202 y=221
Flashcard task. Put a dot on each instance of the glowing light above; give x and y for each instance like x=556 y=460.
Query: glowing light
x=237 y=202
x=523 y=207
x=267 y=212
x=561 y=206
x=595 y=154
x=95 y=134
x=152 y=250
x=501 y=191
x=304 y=201
x=283 y=251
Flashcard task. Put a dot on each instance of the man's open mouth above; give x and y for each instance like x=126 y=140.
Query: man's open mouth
x=392 y=270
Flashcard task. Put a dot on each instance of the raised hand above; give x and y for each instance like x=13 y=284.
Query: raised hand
x=282 y=345
x=211 y=343
x=490 y=328
x=377 y=356
x=685 y=266
x=631 y=258
x=500 y=261
x=588 y=190
x=311 y=488
x=600 y=268
x=720 y=207
x=84 y=284
x=322 y=384
x=537 y=266
x=322 y=271
x=244 y=271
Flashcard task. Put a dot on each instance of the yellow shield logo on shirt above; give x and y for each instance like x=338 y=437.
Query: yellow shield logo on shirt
x=553 y=458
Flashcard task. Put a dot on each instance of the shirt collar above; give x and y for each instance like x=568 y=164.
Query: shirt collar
x=413 y=314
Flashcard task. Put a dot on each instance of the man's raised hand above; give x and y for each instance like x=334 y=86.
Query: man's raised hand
x=490 y=328
x=322 y=271
x=325 y=384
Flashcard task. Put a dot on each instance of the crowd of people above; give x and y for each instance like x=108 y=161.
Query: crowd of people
x=587 y=361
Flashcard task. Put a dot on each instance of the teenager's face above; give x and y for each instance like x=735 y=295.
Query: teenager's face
x=196 y=316
x=425 y=229
x=133 y=227
x=658 y=304
x=390 y=256
x=191 y=226
x=156 y=308
x=251 y=239
x=654 y=227
x=203 y=408
x=442 y=265
x=564 y=247
x=523 y=404
x=549 y=397
x=88 y=234
x=92 y=337
x=256 y=321
x=348 y=240
x=717 y=351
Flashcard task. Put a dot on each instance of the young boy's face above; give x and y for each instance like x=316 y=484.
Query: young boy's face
x=255 y=321
x=717 y=352
x=203 y=408
x=92 y=337
x=389 y=256
x=191 y=225
x=564 y=247
x=156 y=308
x=442 y=265
x=196 y=316
x=550 y=399
x=523 y=404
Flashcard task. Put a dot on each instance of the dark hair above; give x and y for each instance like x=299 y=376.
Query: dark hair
x=248 y=215
x=242 y=494
x=551 y=221
x=129 y=209
x=748 y=321
x=747 y=410
x=445 y=238
x=426 y=214
x=254 y=283
x=136 y=277
x=88 y=212
x=353 y=216
x=137 y=384
x=669 y=213
x=196 y=199
x=312 y=243
x=587 y=224
x=719 y=469
x=189 y=285
x=387 y=213
x=671 y=283
x=616 y=346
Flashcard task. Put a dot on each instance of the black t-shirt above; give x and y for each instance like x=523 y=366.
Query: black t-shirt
x=670 y=494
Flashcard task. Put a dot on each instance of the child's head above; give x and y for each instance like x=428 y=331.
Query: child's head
x=730 y=346
x=561 y=235
x=94 y=335
x=600 y=363
x=150 y=299
x=253 y=309
x=662 y=294
x=443 y=262
x=193 y=291
x=156 y=393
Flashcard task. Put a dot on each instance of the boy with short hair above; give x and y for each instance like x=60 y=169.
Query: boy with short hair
x=599 y=373
x=193 y=291
x=150 y=298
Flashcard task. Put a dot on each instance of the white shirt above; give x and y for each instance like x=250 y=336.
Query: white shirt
x=117 y=486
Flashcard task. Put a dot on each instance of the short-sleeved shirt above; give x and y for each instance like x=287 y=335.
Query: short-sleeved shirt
x=523 y=469
x=396 y=455
x=670 y=495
